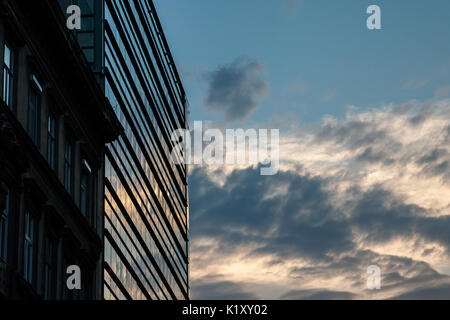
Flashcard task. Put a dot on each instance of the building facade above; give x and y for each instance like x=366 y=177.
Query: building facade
x=54 y=124
x=146 y=195
x=146 y=201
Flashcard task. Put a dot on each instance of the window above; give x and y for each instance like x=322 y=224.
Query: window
x=34 y=110
x=49 y=269
x=28 y=252
x=51 y=141
x=4 y=229
x=85 y=189
x=68 y=165
x=87 y=288
x=8 y=75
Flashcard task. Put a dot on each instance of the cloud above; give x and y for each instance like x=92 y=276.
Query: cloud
x=210 y=288
x=317 y=294
x=440 y=292
x=415 y=83
x=329 y=95
x=298 y=86
x=443 y=91
x=292 y=6
x=236 y=89
x=368 y=189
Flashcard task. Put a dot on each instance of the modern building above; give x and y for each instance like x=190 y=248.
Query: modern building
x=146 y=194
x=55 y=123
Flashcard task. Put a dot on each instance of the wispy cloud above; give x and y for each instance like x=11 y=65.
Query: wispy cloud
x=329 y=95
x=292 y=7
x=415 y=83
x=298 y=86
x=443 y=91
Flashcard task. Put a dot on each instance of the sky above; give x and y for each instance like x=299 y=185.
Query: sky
x=364 y=119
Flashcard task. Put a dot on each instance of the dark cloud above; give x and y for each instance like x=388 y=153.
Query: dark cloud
x=425 y=112
x=353 y=134
x=302 y=222
x=236 y=89
x=317 y=294
x=447 y=134
x=375 y=156
x=306 y=224
x=212 y=289
x=433 y=156
x=340 y=222
x=383 y=218
x=440 y=292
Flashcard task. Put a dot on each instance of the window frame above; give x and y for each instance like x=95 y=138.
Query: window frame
x=86 y=190
x=10 y=72
x=52 y=140
x=29 y=247
x=69 y=165
x=34 y=119
x=50 y=268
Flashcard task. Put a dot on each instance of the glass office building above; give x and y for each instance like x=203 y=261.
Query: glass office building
x=146 y=199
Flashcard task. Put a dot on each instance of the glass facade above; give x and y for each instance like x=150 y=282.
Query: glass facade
x=146 y=200
x=146 y=214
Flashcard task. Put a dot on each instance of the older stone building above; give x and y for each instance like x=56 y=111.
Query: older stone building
x=54 y=123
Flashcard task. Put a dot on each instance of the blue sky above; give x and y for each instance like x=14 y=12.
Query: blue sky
x=364 y=146
x=319 y=56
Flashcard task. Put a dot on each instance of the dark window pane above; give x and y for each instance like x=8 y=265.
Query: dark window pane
x=4 y=229
x=89 y=53
x=68 y=158
x=28 y=248
x=49 y=269
x=51 y=141
x=34 y=115
x=86 y=39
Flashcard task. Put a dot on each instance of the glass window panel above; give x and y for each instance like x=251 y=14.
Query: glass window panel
x=28 y=248
x=89 y=53
x=34 y=115
x=4 y=229
x=8 y=75
x=51 y=141
x=68 y=158
x=7 y=56
x=86 y=39
x=49 y=269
